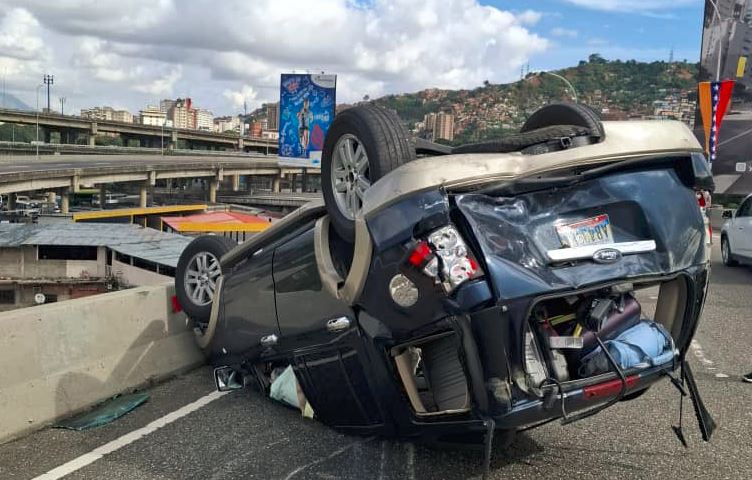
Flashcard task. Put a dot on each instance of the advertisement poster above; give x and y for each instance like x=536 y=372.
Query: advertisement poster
x=306 y=109
x=725 y=62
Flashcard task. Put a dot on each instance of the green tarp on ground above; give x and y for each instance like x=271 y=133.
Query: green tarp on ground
x=105 y=413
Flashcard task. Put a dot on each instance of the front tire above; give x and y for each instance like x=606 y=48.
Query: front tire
x=363 y=144
x=726 y=255
x=197 y=273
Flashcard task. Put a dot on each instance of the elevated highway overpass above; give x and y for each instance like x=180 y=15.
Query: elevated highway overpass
x=70 y=129
x=65 y=174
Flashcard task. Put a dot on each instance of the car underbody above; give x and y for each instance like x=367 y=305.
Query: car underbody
x=478 y=291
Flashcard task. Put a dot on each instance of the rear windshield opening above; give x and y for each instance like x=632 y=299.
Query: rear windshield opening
x=639 y=325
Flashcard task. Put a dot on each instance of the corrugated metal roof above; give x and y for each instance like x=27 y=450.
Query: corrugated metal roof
x=145 y=243
x=230 y=218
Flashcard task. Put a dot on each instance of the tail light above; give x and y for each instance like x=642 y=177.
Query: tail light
x=444 y=256
x=703 y=201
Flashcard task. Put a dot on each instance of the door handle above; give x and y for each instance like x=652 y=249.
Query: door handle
x=338 y=324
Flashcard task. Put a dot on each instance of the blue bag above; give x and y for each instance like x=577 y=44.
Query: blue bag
x=646 y=344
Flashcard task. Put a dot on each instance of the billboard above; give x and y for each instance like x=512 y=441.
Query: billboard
x=306 y=109
x=725 y=66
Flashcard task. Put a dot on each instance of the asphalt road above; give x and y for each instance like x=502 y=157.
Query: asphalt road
x=734 y=146
x=242 y=435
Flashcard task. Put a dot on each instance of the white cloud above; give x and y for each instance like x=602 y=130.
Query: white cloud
x=240 y=97
x=136 y=50
x=564 y=32
x=633 y=6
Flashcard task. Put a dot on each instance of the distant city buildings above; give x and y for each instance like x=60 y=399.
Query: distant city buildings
x=438 y=126
x=204 y=120
x=272 y=117
x=152 y=115
x=227 y=124
x=107 y=113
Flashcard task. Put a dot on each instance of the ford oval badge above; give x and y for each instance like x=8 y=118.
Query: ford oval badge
x=607 y=255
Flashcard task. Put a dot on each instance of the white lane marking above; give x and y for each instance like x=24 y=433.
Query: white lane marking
x=128 y=438
x=339 y=451
x=411 y=460
x=734 y=137
x=697 y=351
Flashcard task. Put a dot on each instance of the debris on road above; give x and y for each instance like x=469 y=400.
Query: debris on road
x=105 y=413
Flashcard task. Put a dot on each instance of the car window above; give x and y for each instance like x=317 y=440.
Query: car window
x=744 y=210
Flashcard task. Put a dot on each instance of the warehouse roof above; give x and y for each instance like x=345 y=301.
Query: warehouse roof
x=134 y=240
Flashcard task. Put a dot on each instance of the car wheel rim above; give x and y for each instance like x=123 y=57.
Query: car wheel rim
x=350 y=175
x=201 y=278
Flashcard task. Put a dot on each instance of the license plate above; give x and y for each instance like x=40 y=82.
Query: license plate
x=591 y=231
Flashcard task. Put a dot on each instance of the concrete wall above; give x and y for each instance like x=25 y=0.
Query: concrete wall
x=61 y=358
x=138 y=276
x=21 y=262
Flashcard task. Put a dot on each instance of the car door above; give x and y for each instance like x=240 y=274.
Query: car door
x=321 y=335
x=248 y=307
x=741 y=230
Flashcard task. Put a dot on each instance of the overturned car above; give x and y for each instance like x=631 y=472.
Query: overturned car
x=488 y=287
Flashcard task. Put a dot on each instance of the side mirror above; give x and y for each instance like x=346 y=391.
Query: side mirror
x=727 y=214
x=227 y=379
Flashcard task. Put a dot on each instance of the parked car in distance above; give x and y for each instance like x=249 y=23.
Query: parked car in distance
x=736 y=235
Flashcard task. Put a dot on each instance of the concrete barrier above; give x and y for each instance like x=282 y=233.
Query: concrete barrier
x=60 y=358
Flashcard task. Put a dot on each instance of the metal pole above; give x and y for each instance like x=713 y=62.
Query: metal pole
x=37 y=142
x=48 y=80
x=571 y=87
x=720 y=37
x=62 y=105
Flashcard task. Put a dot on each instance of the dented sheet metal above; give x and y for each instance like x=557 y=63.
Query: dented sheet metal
x=517 y=233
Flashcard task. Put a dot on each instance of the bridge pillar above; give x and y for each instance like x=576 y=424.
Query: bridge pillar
x=92 y=139
x=173 y=140
x=235 y=183
x=142 y=198
x=213 y=184
x=93 y=134
x=276 y=184
x=240 y=143
x=304 y=187
x=51 y=197
x=65 y=201
x=11 y=201
x=102 y=195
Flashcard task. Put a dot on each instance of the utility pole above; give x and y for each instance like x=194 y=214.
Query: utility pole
x=37 y=141
x=48 y=80
x=62 y=105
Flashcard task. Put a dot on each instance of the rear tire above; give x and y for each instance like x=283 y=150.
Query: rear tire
x=565 y=114
x=726 y=255
x=363 y=144
x=196 y=275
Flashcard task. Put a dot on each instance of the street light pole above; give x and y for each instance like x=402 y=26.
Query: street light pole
x=37 y=141
x=714 y=4
x=571 y=87
x=62 y=105
x=48 y=80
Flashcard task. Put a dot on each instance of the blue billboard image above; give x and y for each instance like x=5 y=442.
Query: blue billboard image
x=306 y=109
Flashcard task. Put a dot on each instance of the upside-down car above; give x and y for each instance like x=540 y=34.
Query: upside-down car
x=483 y=288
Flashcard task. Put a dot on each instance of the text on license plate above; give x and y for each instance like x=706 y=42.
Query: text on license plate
x=591 y=231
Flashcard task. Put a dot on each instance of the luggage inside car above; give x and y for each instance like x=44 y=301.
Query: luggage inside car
x=566 y=332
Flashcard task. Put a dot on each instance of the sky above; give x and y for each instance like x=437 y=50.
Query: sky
x=222 y=53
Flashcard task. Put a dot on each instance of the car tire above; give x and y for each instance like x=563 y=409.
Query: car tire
x=197 y=273
x=363 y=144
x=565 y=114
x=726 y=255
